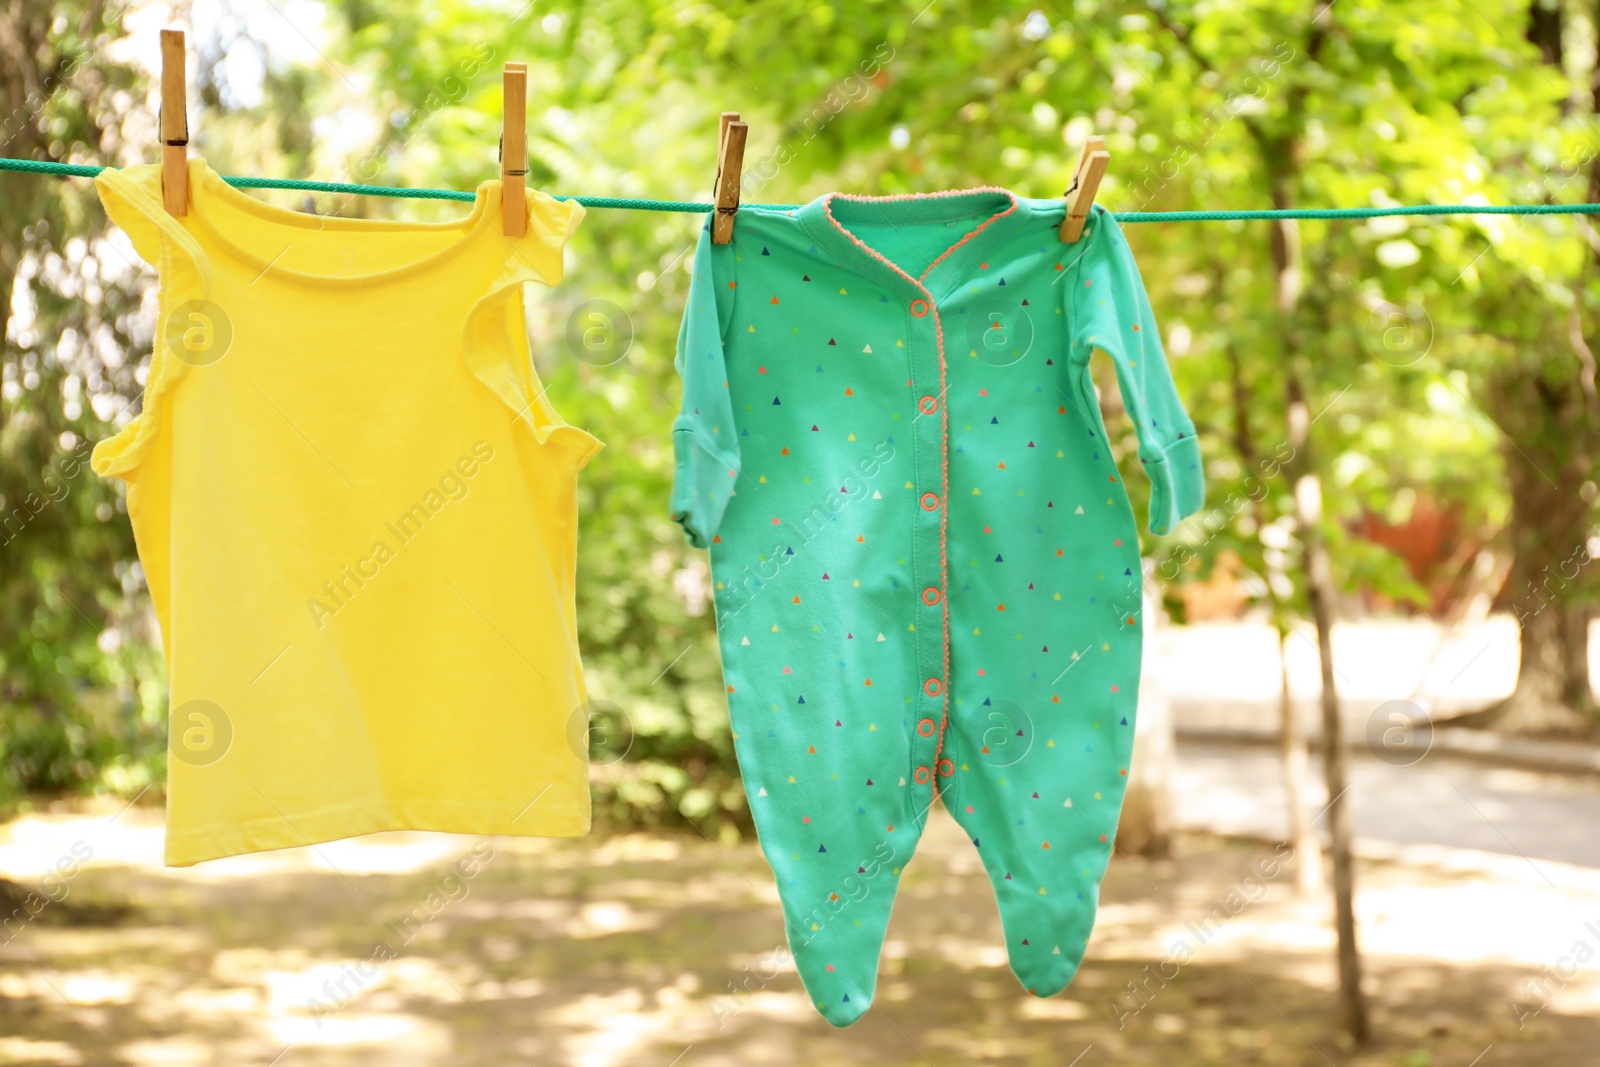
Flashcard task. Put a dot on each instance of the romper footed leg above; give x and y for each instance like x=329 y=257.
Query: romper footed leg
x=836 y=921
x=838 y=828
x=1042 y=815
x=838 y=884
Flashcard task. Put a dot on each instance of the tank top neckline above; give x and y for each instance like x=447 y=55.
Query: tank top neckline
x=206 y=186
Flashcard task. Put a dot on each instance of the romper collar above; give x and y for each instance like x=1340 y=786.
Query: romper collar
x=996 y=213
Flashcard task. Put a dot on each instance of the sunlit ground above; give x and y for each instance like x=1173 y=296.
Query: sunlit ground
x=623 y=950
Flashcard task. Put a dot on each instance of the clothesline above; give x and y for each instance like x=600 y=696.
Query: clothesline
x=73 y=170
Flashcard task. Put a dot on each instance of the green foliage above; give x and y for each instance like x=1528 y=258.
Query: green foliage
x=1414 y=332
x=80 y=697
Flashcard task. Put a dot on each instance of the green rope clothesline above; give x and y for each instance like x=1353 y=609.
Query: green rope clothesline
x=72 y=170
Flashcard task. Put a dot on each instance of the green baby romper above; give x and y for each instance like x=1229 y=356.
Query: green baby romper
x=926 y=566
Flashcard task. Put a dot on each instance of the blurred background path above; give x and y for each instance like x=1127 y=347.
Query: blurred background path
x=1440 y=800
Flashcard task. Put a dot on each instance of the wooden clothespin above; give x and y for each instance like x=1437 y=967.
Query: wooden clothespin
x=514 y=151
x=1092 y=164
x=730 y=168
x=174 y=125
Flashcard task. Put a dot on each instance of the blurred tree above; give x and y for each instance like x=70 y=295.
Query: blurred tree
x=1542 y=396
x=1411 y=103
x=1333 y=106
x=81 y=697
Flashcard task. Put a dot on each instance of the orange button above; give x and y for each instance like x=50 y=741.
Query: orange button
x=919 y=307
x=930 y=596
x=922 y=776
x=928 y=404
x=946 y=768
x=930 y=501
x=933 y=687
x=925 y=727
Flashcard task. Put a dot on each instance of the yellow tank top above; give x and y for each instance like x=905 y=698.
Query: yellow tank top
x=355 y=509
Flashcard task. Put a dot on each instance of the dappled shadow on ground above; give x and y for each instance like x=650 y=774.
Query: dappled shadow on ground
x=662 y=950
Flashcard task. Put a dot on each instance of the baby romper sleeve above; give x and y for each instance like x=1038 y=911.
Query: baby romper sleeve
x=703 y=436
x=1112 y=313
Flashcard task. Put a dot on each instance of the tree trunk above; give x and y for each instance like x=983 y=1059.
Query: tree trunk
x=1319 y=585
x=1548 y=415
x=1291 y=743
x=1320 y=593
x=1580 y=684
x=1549 y=530
x=1293 y=761
x=1578 y=691
x=1552 y=675
x=1281 y=154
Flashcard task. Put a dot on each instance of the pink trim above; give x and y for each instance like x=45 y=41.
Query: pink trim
x=827 y=207
x=944 y=408
x=981 y=227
